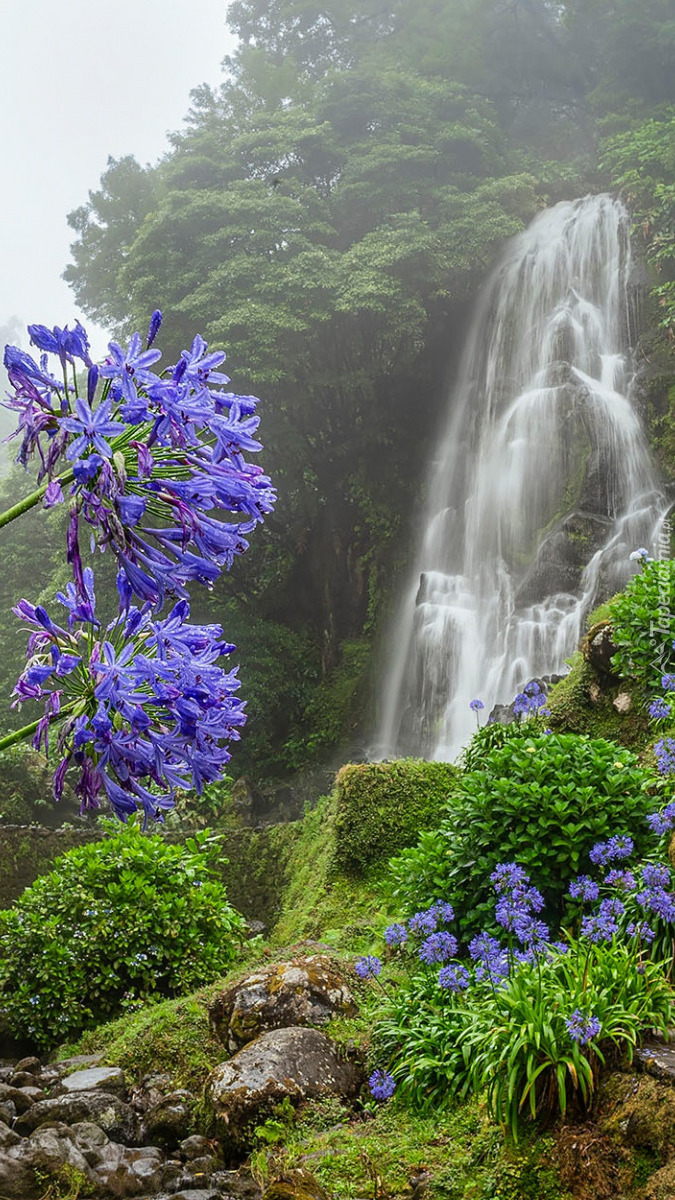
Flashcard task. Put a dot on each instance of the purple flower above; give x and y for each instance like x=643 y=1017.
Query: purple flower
x=476 y=705
x=438 y=948
x=395 y=935
x=623 y=879
x=656 y=875
x=600 y=928
x=424 y=922
x=616 y=847
x=664 y=751
x=664 y=821
x=92 y=428
x=659 y=709
x=153 y=328
x=508 y=876
x=368 y=967
x=382 y=1085
x=641 y=931
x=582 y=1028
x=668 y=683
x=454 y=978
x=444 y=912
x=584 y=888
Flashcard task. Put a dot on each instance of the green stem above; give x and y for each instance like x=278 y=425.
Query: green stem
x=29 y=502
x=11 y=739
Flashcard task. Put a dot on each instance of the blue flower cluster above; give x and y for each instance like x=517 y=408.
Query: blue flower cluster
x=153 y=459
x=143 y=701
x=155 y=465
x=531 y=702
x=652 y=894
x=582 y=1028
x=665 y=755
x=382 y=1085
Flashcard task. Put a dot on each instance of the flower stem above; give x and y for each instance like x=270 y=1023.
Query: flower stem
x=29 y=502
x=11 y=739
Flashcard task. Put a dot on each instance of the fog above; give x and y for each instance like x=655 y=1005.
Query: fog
x=82 y=80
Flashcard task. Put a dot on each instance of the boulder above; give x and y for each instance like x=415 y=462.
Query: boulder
x=623 y=703
x=598 y=648
x=169 y=1122
x=94 y=1079
x=296 y=1062
x=102 y=1108
x=19 y=1097
x=298 y=1184
x=309 y=990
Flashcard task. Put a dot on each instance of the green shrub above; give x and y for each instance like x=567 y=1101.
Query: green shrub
x=643 y=625
x=126 y=919
x=541 y=800
x=381 y=807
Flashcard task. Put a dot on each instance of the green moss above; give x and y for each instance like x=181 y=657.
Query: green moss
x=335 y=709
x=172 y=1037
x=319 y=902
x=574 y=711
x=382 y=807
x=460 y=1153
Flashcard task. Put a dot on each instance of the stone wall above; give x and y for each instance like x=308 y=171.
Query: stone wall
x=255 y=875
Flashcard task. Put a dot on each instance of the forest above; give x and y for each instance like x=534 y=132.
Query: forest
x=327 y=216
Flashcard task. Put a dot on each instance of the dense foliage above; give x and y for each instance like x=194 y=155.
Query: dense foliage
x=543 y=799
x=643 y=626
x=115 y=922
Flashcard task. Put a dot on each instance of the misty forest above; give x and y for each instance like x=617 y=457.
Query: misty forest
x=337 y=635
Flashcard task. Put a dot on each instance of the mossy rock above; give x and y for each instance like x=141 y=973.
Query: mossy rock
x=299 y=1184
x=640 y=1113
x=381 y=808
x=582 y=703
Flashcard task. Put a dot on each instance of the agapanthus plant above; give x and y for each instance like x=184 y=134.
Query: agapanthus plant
x=154 y=464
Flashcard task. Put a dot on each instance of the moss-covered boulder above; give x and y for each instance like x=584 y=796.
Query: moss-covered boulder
x=298 y=1184
x=308 y=990
x=296 y=1063
x=381 y=808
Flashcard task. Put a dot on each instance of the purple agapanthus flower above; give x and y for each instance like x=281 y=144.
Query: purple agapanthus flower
x=368 y=967
x=659 y=709
x=382 y=1085
x=438 y=948
x=583 y=1028
x=617 y=847
x=454 y=978
x=584 y=888
x=396 y=934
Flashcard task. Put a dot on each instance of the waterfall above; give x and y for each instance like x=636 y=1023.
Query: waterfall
x=541 y=485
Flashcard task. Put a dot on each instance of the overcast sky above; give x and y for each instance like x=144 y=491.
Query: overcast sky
x=80 y=80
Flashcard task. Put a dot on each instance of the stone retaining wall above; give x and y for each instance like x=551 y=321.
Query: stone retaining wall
x=255 y=875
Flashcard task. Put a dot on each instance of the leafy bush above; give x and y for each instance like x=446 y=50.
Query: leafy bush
x=381 y=807
x=543 y=800
x=643 y=625
x=126 y=919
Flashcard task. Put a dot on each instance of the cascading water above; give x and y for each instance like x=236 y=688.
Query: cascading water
x=542 y=486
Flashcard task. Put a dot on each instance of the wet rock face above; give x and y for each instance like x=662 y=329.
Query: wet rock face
x=306 y=991
x=296 y=1062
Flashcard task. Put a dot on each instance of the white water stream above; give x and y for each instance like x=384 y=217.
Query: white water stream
x=541 y=485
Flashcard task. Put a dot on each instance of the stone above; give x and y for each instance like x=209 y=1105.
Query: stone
x=49 y=1152
x=7 y=1111
x=296 y=1062
x=195 y=1146
x=77 y=1061
x=657 y=1058
x=94 y=1079
x=33 y=1093
x=90 y=1140
x=112 y=1114
x=22 y=1079
x=598 y=648
x=31 y=1064
x=623 y=703
x=7 y=1136
x=298 y=1184
x=308 y=990
x=595 y=693
x=169 y=1122
x=17 y=1096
